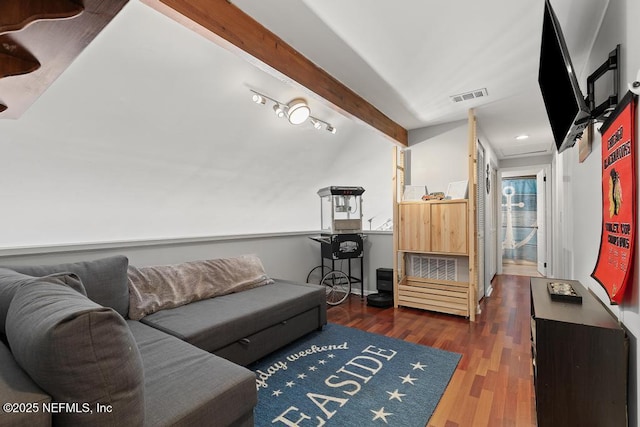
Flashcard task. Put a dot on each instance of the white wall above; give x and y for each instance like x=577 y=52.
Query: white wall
x=151 y=133
x=438 y=155
x=286 y=256
x=580 y=199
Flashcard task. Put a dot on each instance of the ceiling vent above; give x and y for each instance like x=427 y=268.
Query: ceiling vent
x=512 y=151
x=478 y=93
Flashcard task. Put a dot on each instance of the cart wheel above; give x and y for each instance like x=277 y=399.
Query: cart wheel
x=317 y=273
x=337 y=287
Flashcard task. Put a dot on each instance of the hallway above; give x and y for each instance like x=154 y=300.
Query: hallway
x=493 y=383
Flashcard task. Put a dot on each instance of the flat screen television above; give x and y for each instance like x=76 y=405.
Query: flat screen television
x=566 y=107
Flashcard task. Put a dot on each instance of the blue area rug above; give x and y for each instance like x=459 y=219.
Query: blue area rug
x=346 y=377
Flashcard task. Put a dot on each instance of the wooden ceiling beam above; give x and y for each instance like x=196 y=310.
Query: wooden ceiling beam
x=226 y=24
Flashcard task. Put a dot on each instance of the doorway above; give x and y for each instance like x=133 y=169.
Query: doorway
x=523 y=222
x=519 y=225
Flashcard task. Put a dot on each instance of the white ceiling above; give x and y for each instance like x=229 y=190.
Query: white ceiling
x=409 y=57
x=406 y=58
x=151 y=132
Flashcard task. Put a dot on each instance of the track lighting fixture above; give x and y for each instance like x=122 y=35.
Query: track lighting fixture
x=296 y=111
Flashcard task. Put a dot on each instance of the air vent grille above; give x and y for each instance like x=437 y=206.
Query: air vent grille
x=428 y=267
x=467 y=96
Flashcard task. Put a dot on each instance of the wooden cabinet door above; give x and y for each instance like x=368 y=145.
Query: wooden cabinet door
x=449 y=228
x=414 y=227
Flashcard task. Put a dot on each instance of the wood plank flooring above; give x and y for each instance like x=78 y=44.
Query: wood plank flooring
x=520 y=269
x=493 y=383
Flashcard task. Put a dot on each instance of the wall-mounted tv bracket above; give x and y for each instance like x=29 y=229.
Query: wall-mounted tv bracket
x=603 y=110
x=633 y=87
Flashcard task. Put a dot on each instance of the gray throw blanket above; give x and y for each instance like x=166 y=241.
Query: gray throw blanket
x=168 y=286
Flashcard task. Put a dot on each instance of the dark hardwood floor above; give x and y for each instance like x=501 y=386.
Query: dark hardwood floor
x=493 y=383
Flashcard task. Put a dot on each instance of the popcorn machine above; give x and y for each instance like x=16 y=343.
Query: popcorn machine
x=341 y=210
x=341 y=229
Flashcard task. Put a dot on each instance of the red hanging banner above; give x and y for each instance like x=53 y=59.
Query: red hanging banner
x=617 y=241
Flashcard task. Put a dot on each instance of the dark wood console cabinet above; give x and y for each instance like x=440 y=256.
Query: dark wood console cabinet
x=580 y=355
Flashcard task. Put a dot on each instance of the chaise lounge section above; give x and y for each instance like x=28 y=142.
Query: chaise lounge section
x=245 y=326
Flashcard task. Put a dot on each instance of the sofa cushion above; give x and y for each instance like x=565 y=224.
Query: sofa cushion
x=78 y=352
x=104 y=279
x=214 y=323
x=186 y=386
x=16 y=387
x=10 y=282
x=167 y=286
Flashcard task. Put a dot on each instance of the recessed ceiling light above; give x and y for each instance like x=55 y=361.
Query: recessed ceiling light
x=522 y=137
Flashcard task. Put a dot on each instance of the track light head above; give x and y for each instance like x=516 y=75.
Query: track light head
x=258 y=99
x=316 y=123
x=278 y=110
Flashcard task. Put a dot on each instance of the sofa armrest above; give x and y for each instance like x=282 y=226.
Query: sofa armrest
x=16 y=387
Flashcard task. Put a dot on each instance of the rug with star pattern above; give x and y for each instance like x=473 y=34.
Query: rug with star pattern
x=343 y=376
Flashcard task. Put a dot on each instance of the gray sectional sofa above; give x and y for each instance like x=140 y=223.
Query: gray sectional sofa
x=71 y=355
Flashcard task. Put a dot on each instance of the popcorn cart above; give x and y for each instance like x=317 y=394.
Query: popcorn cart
x=341 y=239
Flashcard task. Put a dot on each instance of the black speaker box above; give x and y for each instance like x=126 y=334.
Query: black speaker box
x=384 y=279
